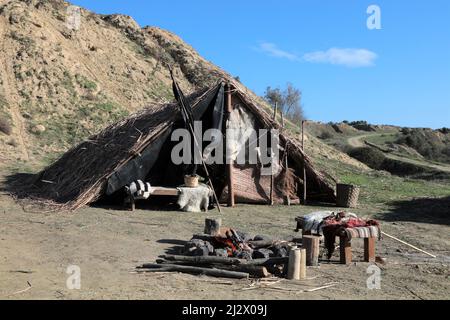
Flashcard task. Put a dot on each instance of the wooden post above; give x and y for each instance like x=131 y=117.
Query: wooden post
x=231 y=202
x=272 y=178
x=346 y=250
x=369 y=249
x=294 y=264
x=304 y=162
x=130 y=201
x=312 y=246
x=212 y=226
x=303 y=264
x=287 y=199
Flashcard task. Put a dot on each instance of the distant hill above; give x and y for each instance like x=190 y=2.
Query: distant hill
x=415 y=152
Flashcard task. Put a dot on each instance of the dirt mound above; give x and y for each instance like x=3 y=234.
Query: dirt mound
x=74 y=79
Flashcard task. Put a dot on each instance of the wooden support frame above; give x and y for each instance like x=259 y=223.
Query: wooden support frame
x=229 y=166
x=154 y=191
x=369 y=249
x=304 y=163
x=345 y=251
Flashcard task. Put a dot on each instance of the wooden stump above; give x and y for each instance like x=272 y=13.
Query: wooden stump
x=311 y=244
x=369 y=249
x=345 y=250
x=303 y=264
x=294 y=264
x=212 y=226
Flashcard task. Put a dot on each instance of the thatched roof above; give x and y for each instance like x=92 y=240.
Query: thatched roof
x=80 y=176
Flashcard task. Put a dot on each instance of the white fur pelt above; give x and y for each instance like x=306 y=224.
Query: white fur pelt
x=194 y=199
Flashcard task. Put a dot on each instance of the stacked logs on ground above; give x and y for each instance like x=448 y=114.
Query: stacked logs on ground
x=216 y=266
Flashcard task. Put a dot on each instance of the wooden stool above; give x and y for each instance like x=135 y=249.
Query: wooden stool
x=346 y=250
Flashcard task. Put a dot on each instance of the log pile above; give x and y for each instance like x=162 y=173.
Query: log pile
x=226 y=252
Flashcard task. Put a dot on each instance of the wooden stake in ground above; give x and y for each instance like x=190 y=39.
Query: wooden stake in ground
x=302 y=264
x=294 y=264
x=212 y=226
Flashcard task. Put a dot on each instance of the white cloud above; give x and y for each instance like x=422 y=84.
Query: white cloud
x=346 y=57
x=272 y=50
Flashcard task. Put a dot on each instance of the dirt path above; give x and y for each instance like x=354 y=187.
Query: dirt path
x=13 y=99
x=358 y=142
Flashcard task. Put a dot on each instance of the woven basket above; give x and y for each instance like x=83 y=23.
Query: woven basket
x=191 y=181
x=347 y=195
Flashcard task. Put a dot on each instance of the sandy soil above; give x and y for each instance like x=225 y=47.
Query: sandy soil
x=108 y=244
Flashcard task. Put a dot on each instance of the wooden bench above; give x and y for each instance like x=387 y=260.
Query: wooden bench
x=346 y=249
x=155 y=191
x=345 y=244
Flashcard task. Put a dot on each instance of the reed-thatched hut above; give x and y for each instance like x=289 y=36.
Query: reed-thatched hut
x=139 y=147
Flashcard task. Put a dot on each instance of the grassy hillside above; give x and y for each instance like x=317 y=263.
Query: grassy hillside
x=414 y=153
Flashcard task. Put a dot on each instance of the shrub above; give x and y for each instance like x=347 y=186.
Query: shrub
x=325 y=135
x=371 y=157
x=362 y=126
x=5 y=127
x=401 y=168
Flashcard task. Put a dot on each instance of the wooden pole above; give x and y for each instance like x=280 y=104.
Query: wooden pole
x=407 y=244
x=272 y=179
x=304 y=162
x=294 y=264
x=303 y=264
x=311 y=245
x=231 y=200
x=286 y=164
x=190 y=122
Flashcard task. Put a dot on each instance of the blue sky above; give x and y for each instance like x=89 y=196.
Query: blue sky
x=397 y=75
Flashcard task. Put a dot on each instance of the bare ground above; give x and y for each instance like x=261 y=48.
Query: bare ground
x=108 y=244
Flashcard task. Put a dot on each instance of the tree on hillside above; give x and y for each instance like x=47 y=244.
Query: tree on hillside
x=287 y=100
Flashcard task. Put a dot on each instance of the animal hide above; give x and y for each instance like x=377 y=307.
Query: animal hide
x=194 y=199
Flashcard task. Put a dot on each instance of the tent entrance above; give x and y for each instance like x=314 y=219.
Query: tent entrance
x=155 y=164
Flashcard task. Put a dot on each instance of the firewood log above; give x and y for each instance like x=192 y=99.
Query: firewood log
x=193 y=270
x=205 y=260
